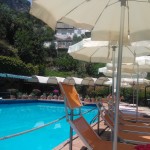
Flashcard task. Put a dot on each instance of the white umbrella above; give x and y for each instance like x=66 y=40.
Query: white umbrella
x=101 y=80
x=89 y=81
x=140 y=66
x=136 y=68
x=103 y=20
x=123 y=84
x=109 y=73
x=136 y=84
x=142 y=81
x=55 y=80
x=40 y=79
x=142 y=60
x=73 y=80
x=101 y=51
x=108 y=21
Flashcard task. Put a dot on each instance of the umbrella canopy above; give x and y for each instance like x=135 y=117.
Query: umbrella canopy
x=128 y=82
x=142 y=60
x=89 y=81
x=101 y=80
x=55 y=80
x=124 y=74
x=73 y=80
x=135 y=68
x=132 y=81
x=101 y=51
x=77 y=14
x=123 y=84
x=40 y=79
x=140 y=66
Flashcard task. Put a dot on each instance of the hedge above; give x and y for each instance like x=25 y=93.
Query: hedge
x=16 y=66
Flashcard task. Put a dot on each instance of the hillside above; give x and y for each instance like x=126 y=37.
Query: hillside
x=18 y=5
x=22 y=40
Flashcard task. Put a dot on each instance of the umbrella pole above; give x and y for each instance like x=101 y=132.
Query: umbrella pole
x=133 y=93
x=113 y=75
x=115 y=136
x=71 y=130
x=137 y=94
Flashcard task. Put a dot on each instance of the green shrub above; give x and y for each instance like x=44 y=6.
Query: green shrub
x=58 y=73
x=15 y=66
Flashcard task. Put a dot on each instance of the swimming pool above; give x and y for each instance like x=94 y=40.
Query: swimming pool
x=16 y=118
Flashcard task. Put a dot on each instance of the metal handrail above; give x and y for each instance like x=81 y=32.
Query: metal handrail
x=93 y=119
x=36 y=128
x=27 y=131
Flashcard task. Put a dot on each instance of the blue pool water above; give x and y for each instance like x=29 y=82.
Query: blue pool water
x=16 y=118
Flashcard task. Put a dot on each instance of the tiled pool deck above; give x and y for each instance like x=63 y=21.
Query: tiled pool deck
x=78 y=144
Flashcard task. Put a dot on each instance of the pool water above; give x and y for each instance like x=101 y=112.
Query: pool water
x=16 y=118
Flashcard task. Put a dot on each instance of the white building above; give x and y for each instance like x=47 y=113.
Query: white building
x=64 y=34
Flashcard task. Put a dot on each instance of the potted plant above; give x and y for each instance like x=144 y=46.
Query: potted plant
x=36 y=93
x=50 y=96
x=13 y=93
x=24 y=96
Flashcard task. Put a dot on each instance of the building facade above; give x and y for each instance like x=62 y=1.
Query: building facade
x=65 y=33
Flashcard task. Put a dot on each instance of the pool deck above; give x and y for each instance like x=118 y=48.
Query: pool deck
x=106 y=135
x=78 y=144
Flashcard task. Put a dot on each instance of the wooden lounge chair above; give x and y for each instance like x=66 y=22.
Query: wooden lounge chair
x=128 y=126
x=82 y=128
x=133 y=122
x=91 y=139
x=140 y=118
x=133 y=117
x=135 y=138
x=130 y=121
x=131 y=126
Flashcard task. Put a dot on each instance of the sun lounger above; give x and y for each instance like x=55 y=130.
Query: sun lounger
x=126 y=117
x=137 y=126
x=82 y=128
x=130 y=116
x=132 y=122
x=91 y=139
x=135 y=138
x=133 y=117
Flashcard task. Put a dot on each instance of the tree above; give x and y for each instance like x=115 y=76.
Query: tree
x=7 y=50
x=76 y=39
x=6 y=26
x=92 y=69
x=81 y=70
x=26 y=33
x=18 y=5
x=66 y=63
x=53 y=50
x=30 y=43
x=16 y=66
